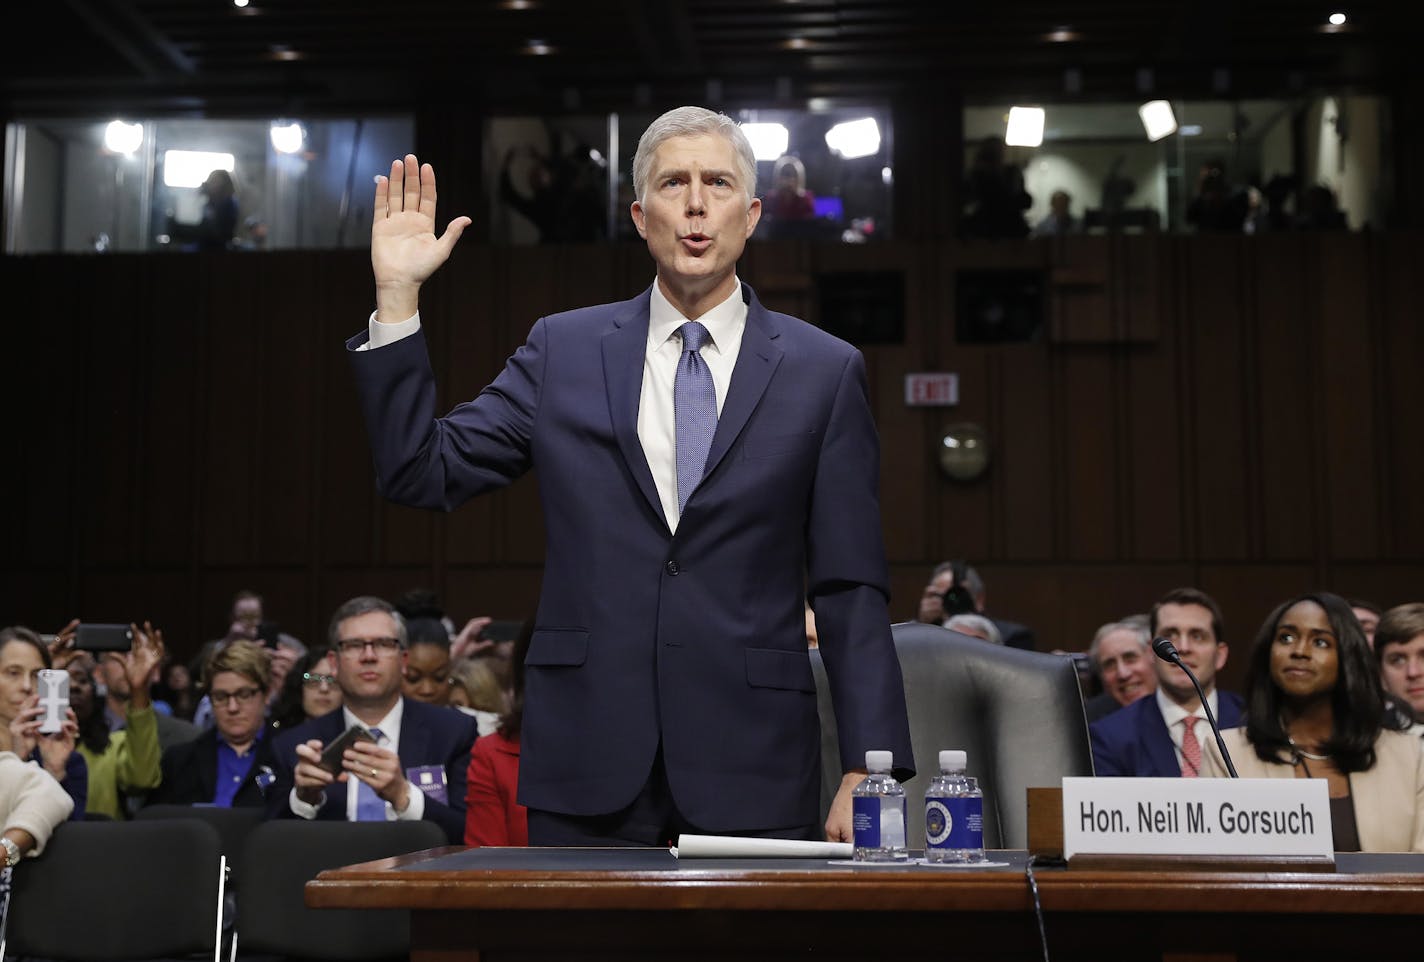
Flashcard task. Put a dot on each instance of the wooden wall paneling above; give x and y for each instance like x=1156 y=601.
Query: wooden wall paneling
x=172 y=411
x=1246 y=594
x=344 y=481
x=508 y=592
x=1346 y=384
x=287 y=599
x=1399 y=274
x=1217 y=450
x=1154 y=410
x=1066 y=604
x=1289 y=489
x=966 y=517
x=111 y=378
x=122 y=595
x=1087 y=416
x=339 y=585
x=783 y=275
x=1025 y=473
x=1140 y=292
x=1382 y=583
x=1081 y=283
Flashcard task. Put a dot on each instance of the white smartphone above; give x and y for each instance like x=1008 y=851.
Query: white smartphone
x=53 y=687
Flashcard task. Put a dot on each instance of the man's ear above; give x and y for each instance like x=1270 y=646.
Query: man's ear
x=753 y=215
x=1221 y=654
x=640 y=220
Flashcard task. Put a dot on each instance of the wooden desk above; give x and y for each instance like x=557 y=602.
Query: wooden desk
x=507 y=904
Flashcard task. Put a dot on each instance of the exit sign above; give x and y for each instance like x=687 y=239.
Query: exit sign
x=933 y=389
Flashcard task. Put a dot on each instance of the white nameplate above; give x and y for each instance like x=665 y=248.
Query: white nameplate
x=1196 y=816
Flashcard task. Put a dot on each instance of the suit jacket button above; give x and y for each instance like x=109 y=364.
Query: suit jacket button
x=672 y=568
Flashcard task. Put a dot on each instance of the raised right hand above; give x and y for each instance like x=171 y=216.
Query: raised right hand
x=309 y=778
x=404 y=248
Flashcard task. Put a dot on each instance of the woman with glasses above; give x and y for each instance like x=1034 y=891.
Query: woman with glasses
x=310 y=690
x=229 y=765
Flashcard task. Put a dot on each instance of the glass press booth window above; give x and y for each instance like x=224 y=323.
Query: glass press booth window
x=180 y=184
x=1312 y=162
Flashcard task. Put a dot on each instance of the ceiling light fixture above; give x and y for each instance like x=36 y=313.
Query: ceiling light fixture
x=122 y=138
x=1337 y=19
x=1157 y=119
x=287 y=138
x=855 y=138
x=1025 y=127
x=769 y=141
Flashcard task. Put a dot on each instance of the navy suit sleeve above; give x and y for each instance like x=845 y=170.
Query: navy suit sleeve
x=440 y=462
x=457 y=739
x=1107 y=757
x=848 y=582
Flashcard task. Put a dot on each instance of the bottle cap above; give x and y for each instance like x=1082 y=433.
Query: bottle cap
x=879 y=761
x=952 y=760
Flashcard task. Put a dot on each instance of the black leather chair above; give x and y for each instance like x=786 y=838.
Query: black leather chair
x=232 y=824
x=282 y=856
x=1018 y=715
x=110 y=891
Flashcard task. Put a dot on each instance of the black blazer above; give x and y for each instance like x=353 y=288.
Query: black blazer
x=190 y=773
x=429 y=736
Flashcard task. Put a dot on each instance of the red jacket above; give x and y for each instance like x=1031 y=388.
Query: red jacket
x=492 y=816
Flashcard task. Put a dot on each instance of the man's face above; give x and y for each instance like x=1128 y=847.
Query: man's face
x=1125 y=666
x=112 y=674
x=932 y=598
x=695 y=216
x=248 y=613
x=239 y=706
x=369 y=674
x=1368 y=621
x=1402 y=671
x=1189 y=628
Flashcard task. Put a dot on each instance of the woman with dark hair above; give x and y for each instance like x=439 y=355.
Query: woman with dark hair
x=493 y=816
x=1315 y=709
x=309 y=690
x=22 y=656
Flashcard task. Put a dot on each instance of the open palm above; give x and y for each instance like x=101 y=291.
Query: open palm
x=404 y=248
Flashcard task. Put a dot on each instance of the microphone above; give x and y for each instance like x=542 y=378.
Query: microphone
x=1164 y=649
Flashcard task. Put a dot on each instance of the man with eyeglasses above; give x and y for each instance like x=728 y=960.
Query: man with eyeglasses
x=230 y=765
x=413 y=764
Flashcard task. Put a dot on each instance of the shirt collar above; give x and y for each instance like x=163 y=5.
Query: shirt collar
x=389 y=725
x=1172 y=713
x=222 y=739
x=721 y=321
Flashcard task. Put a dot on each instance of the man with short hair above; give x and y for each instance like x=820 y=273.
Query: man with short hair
x=1162 y=736
x=969 y=598
x=232 y=764
x=1368 y=614
x=705 y=466
x=413 y=764
x=1121 y=655
x=1399 y=644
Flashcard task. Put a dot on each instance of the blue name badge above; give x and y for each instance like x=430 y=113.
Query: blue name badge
x=430 y=779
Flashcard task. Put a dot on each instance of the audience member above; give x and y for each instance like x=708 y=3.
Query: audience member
x=32 y=805
x=976 y=626
x=1319 y=210
x=565 y=199
x=119 y=686
x=956 y=588
x=788 y=206
x=219 y=220
x=1117 y=190
x=1121 y=655
x=1060 y=219
x=1368 y=614
x=310 y=690
x=994 y=194
x=22 y=656
x=1218 y=206
x=122 y=760
x=1315 y=709
x=1399 y=646
x=476 y=690
x=414 y=764
x=176 y=687
x=229 y=765
x=1162 y=736
x=427 y=668
x=493 y=814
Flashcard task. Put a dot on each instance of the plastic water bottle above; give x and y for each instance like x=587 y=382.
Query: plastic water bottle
x=954 y=813
x=878 y=812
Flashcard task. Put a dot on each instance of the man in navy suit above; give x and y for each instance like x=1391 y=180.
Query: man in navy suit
x=668 y=686
x=414 y=764
x=1162 y=735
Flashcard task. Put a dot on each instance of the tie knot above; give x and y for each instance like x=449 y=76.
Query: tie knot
x=376 y=734
x=694 y=335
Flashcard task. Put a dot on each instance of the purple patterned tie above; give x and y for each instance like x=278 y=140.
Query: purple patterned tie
x=695 y=410
x=370 y=807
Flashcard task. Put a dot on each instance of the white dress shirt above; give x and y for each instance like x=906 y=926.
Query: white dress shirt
x=657 y=421
x=1172 y=714
x=390 y=728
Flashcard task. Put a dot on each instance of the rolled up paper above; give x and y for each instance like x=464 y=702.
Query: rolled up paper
x=722 y=846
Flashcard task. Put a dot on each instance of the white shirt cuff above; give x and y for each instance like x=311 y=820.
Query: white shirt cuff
x=379 y=335
x=303 y=809
x=415 y=805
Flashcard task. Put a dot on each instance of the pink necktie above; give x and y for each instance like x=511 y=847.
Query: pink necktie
x=1191 y=748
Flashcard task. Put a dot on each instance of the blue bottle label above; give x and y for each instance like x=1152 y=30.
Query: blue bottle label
x=954 y=823
x=865 y=820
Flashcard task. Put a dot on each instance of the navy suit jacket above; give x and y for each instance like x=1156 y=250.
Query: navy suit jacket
x=190 y=773
x=695 y=641
x=428 y=736
x=1133 y=741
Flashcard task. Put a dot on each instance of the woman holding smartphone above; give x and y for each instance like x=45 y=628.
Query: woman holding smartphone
x=22 y=657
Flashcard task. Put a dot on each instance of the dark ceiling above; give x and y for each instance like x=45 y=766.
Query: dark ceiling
x=168 y=56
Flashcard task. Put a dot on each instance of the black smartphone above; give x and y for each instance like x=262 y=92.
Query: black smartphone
x=331 y=759
x=268 y=633
x=103 y=638
x=502 y=630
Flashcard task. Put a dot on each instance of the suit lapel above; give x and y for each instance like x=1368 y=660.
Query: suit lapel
x=623 y=350
x=207 y=762
x=1158 y=742
x=757 y=361
x=414 y=747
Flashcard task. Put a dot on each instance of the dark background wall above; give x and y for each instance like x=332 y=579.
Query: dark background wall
x=1231 y=412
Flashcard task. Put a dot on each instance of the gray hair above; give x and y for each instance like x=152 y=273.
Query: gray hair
x=363 y=605
x=690 y=122
x=981 y=627
x=1137 y=624
x=973 y=581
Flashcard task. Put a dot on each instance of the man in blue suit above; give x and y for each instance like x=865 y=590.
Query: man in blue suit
x=414 y=764
x=704 y=465
x=1162 y=735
